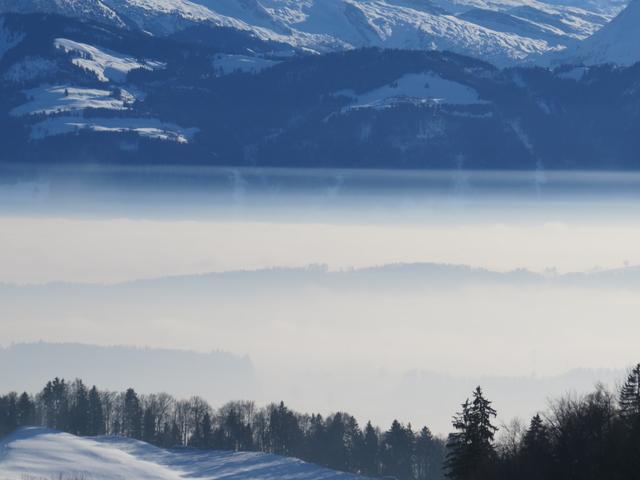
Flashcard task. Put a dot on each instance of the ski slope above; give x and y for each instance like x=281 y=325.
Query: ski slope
x=41 y=453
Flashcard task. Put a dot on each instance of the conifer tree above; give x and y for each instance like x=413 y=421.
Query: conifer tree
x=536 y=450
x=316 y=444
x=337 y=454
x=9 y=413
x=132 y=415
x=283 y=431
x=537 y=436
x=96 y=414
x=148 y=426
x=370 y=451
x=79 y=409
x=630 y=396
x=397 y=451
x=206 y=430
x=428 y=456
x=26 y=410
x=55 y=404
x=470 y=448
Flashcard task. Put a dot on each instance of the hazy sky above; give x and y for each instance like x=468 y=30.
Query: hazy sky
x=35 y=250
x=358 y=329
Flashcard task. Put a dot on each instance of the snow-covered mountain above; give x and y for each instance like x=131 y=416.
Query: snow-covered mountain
x=87 y=9
x=41 y=453
x=502 y=31
x=618 y=42
x=224 y=96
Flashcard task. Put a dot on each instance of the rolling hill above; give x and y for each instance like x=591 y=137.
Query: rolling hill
x=40 y=453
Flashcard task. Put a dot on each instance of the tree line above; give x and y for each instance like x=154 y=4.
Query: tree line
x=335 y=441
x=590 y=437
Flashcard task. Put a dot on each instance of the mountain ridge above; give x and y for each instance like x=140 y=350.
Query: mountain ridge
x=522 y=30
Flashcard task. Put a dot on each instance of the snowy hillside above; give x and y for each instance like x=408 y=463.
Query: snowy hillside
x=414 y=88
x=105 y=65
x=41 y=453
x=90 y=10
x=618 y=42
x=503 y=31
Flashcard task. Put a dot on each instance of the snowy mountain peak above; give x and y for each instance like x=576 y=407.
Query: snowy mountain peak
x=618 y=42
x=502 y=31
x=95 y=10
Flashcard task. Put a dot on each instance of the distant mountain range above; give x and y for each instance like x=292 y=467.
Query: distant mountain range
x=219 y=376
x=502 y=31
x=337 y=83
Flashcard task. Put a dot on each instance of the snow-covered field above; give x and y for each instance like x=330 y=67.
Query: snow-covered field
x=37 y=453
x=106 y=65
x=64 y=98
x=145 y=127
x=415 y=88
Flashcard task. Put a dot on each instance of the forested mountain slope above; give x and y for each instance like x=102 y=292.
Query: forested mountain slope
x=82 y=92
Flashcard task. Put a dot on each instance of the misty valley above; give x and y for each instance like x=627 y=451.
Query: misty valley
x=319 y=239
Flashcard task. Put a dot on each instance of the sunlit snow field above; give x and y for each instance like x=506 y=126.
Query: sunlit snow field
x=32 y=452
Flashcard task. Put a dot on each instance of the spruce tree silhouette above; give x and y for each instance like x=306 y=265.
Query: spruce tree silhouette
x=471 y=453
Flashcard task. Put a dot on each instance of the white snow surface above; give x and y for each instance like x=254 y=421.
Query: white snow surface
x=145 y=127
x=64 y=98
x=105 y=64
x=415 y=88
x=324 y=25
x=89 y=10
x=617 y=43
x=41 y=453
x=226 y=64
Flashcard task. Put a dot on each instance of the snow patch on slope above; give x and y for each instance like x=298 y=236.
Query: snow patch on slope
x=47 y=454
x=105 y=64
x=95 y=10
x=416 y=88
x=163 y=17
x=49 y=100
x=618 y=42
x=145 y=127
